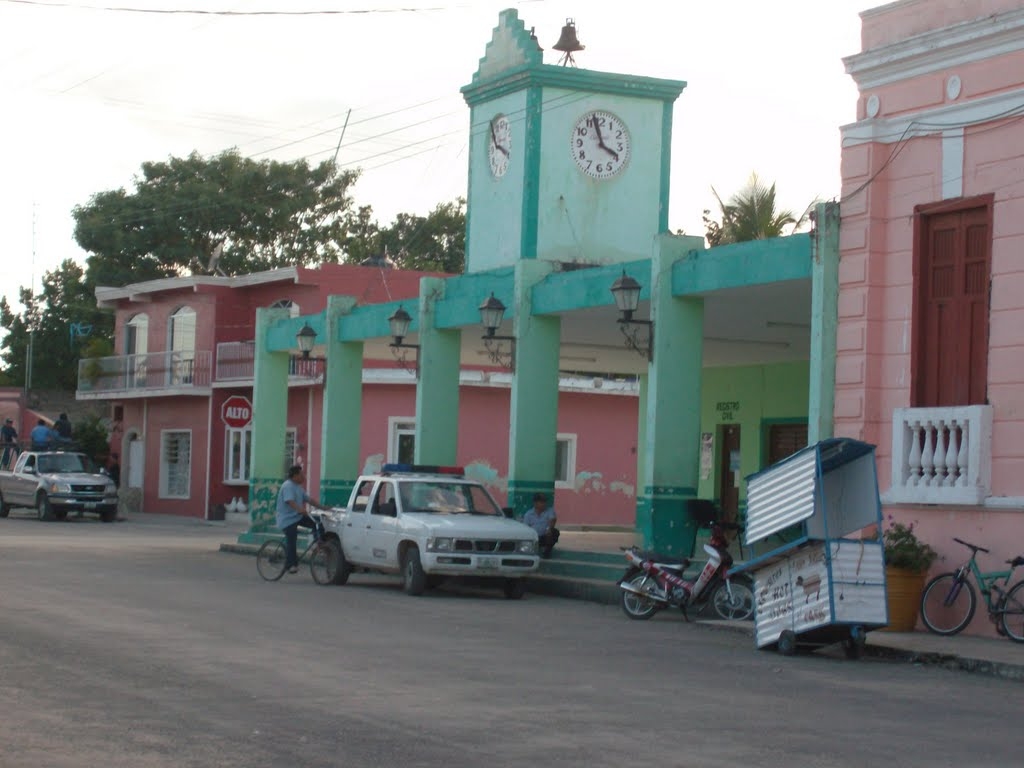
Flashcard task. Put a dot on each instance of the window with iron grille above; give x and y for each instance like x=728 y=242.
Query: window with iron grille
x=290 y=457
x=237 y=454
x=175 y=464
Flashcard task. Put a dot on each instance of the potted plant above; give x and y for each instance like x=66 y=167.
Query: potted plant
x=907 y=560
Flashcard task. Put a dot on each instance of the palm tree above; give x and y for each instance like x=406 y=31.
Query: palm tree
x=750 y=214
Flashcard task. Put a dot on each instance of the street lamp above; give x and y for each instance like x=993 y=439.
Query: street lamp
x=491 y=313
x=399 y=324
x=626 y=291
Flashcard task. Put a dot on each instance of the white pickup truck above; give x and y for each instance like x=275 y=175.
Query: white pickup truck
x=55 y=483
x=429 y=523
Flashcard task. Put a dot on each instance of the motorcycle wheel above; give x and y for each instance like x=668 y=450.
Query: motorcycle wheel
x=637 y=606
x=740 y=607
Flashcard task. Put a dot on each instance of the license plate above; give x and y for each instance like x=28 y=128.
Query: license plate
x=487 y=562
x=90 y=505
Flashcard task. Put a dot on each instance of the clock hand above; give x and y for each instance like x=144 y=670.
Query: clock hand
x=600 y=138
x=494 y=140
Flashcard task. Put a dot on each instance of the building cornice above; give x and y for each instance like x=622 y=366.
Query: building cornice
x=143 y=292
x=938 y=50
x=891 y=130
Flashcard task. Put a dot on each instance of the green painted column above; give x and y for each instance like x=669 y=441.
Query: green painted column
x=343 y=407
x=533 y=430
x=671 y=462
x=437 y=390
x=824 y=322
x=269 y=423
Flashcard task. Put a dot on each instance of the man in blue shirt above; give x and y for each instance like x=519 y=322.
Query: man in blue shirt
x=41 y=436
x=292 y=513
x=542 y=519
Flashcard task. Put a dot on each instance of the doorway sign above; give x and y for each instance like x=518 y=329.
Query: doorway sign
x=236 y=412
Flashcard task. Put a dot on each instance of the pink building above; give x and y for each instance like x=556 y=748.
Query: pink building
x=930 y=344
x=186 y=353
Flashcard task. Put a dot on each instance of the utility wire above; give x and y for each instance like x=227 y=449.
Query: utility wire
x=204 y=12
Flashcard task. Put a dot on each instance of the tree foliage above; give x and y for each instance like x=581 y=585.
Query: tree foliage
x=750 y=214
x=255 y=215
x=432 y=243
x=65 y=320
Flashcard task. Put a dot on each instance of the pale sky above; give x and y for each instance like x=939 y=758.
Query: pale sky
x=88 y=95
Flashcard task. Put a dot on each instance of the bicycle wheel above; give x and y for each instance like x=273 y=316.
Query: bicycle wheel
x=947 y=605
x=270 y=560
x=1012 y=616
x=323 y=562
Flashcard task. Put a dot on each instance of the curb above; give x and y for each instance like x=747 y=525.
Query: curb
x=1013 y=672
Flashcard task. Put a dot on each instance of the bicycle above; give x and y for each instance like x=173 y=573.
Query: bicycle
x=324 y=556
x=949 y=600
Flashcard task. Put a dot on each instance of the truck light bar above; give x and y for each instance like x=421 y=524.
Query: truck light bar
x=431 y=469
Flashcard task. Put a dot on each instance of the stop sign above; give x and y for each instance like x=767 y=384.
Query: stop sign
x=236 y=412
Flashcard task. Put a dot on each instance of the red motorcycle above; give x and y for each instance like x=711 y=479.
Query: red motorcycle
x=653 y=582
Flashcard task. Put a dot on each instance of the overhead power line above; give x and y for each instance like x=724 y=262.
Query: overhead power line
x=203 y=12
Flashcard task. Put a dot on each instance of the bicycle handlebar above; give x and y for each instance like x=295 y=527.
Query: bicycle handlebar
x=970 y=546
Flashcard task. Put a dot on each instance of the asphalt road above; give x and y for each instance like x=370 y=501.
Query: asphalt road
x=139 y=644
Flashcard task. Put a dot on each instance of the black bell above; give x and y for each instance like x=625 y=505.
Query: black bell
x=568 y=43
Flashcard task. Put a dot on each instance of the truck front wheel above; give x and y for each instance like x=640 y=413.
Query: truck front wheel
x=414 y=580
x=5 y=508
x=44 y=509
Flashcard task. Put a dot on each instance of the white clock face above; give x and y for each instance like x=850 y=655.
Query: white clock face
x=600 y=144
x=499 y=145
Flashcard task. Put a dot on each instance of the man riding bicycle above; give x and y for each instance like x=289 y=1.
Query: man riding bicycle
x=292 y=514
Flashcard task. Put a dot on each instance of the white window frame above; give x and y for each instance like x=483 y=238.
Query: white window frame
x=231 y=475
x=568 y=479
x=398 y=426
x=165 y=479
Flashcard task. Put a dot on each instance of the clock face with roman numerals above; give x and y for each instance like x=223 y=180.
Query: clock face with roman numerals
x=600 y=144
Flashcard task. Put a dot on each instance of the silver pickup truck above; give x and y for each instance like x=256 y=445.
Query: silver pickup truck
x=55 y=483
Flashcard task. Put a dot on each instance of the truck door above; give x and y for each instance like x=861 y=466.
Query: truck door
x=353 y=534
x=382 y=526
x=23 y=483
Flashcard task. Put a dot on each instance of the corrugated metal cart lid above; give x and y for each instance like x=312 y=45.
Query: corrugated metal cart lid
x=784 y=493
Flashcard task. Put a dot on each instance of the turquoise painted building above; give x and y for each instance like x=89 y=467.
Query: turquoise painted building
x=568 y=185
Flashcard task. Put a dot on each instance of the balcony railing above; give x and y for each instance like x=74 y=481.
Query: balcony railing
x=124 y=374
x=941 y=455
x=236 y=362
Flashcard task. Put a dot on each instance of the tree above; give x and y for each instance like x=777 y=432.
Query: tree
x=750 y=214
x=435 y=243
x=227 y=212
x=432 y=243
x=61 y=321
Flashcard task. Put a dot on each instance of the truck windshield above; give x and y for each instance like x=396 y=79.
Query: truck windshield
x=443 y=498
x=65 y=462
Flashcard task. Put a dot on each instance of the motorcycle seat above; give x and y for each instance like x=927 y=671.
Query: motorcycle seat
x=658 y=557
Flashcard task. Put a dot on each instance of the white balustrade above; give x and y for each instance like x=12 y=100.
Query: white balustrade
x=941 y=455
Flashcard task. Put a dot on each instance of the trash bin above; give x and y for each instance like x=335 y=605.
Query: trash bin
x=674 y=530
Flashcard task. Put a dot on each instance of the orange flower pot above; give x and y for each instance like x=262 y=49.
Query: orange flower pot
x=903 y=596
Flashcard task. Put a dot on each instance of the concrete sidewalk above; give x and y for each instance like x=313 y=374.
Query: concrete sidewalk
x=997 y=657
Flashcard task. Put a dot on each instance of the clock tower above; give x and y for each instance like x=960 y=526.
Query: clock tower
x=565 y=164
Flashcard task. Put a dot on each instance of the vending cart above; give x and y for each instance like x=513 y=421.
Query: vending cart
x=817 y=582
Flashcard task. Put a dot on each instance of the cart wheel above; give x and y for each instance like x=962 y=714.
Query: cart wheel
x=853 y=646
x=787 y=642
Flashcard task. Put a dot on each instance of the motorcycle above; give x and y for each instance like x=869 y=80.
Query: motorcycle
x=653 y=582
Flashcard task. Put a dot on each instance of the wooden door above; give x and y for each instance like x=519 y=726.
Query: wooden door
x=729 y=474
x=951 y=343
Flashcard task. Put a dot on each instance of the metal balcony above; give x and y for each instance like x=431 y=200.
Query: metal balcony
x=169 y=373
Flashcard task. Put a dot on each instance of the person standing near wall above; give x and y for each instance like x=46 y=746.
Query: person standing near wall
x=9 y=441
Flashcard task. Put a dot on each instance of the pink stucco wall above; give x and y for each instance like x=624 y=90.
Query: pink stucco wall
x=601 y=492
x=883 y=181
